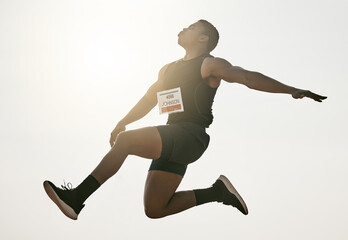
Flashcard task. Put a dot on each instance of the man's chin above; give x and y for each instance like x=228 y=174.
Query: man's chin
x=179 y=42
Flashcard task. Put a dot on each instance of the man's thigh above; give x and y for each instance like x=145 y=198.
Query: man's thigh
x=144 y=142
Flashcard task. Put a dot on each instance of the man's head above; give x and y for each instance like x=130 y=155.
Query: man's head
x=202 y=34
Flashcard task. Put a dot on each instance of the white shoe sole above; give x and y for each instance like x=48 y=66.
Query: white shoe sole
x=66 y=209
x=232 y=190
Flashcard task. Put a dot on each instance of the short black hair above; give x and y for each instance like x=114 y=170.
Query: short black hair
x=212 y=33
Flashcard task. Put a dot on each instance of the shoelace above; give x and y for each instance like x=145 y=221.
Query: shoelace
x=67 y=186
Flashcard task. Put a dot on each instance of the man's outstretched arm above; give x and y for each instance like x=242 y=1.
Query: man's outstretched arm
x=222 y=69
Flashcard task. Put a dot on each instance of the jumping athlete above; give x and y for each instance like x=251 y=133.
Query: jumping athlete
x=185 y=89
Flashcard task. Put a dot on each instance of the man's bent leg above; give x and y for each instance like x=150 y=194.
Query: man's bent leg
x=160 y=198
x=144 y=142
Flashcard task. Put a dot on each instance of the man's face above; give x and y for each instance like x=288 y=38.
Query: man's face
x=191 y=35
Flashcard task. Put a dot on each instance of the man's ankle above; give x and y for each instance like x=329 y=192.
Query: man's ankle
x=86 y=188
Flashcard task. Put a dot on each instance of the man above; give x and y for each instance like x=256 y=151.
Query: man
x=185 y=89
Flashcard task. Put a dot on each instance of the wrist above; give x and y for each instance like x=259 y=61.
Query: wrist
x=293 y=90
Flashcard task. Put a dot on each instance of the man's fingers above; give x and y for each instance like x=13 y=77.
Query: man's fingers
x=115 y=133
x=316 y=97
x=303 y=93
x=112 y=140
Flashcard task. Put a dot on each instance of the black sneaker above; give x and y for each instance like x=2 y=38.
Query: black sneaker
x=64 y=198
x=230 y=196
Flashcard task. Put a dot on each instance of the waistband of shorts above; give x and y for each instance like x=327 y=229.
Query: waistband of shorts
x=188 y=124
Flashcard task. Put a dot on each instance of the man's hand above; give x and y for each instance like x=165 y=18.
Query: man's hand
x=305 y=93
x=115 y=132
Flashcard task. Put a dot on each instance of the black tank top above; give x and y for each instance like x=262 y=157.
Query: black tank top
x=197 y=95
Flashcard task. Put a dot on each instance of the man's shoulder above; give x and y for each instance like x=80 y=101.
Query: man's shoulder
x=164 y=68
x=215 y=60
x=215 y=63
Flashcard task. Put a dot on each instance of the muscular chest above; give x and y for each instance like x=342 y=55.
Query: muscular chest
x=182 y=74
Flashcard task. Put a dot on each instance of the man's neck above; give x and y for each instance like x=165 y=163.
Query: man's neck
x=193 y=54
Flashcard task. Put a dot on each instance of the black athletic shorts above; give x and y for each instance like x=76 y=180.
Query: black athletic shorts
x=182 y=144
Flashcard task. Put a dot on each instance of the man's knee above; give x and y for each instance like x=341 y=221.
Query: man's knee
x=154 y=208
x=123 y=141
x=153 y=212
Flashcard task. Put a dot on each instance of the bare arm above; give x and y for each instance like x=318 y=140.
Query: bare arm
x=221 y=69
x=141 y=109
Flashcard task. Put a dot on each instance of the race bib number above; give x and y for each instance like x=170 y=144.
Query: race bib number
x=170 y=101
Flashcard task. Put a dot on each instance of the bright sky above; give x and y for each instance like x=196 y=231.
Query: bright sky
x=70 y=70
